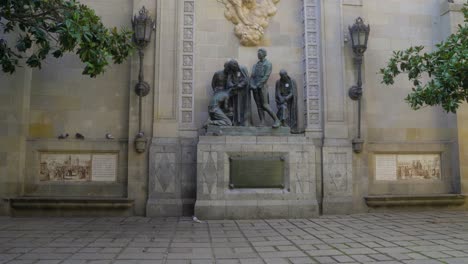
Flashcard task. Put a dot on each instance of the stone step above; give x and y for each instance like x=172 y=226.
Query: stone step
x=415 y=200
x=69 y=206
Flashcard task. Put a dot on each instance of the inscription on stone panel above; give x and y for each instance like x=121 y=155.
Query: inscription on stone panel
x=69 y=167
x=256 y=173
x=400 y=167
x=104 y=167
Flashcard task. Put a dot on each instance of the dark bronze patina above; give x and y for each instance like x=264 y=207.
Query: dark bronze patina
x=256 y=172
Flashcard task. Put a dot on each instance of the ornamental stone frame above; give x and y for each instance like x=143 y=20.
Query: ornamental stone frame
x=186 y=79
x=312 y=67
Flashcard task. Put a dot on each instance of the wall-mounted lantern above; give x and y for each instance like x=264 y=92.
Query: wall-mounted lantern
x=143 y=26
x=359 y=33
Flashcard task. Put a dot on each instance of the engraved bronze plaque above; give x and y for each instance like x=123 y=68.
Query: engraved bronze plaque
x=254 y=172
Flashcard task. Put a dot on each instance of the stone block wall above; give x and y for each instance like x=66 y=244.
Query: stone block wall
x=192 y=41
x=216 y=199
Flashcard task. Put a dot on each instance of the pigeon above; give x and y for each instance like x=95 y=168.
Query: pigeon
x=196 y=220
x=79 y=136
x=109 y=136
x=63 y=136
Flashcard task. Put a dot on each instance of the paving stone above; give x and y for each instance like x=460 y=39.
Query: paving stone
x=325 y=260
x=343 y=259
x=455 y=260
x=276 y=261
x=304 y=260
x=367 y=238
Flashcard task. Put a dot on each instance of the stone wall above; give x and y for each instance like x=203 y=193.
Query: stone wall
x=389 y=125
x=14 y=105
x=215 y=43
x=308 y=38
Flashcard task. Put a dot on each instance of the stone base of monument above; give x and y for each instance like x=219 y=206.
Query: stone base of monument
x=248 y=177
x=172 y=167
x=246 y=131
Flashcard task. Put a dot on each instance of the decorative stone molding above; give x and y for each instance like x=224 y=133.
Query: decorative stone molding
x=337 y=180
x=312 y=67
x=251 y=17
x=186 y=98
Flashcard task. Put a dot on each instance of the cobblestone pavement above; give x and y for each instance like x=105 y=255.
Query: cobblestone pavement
x=429 y=237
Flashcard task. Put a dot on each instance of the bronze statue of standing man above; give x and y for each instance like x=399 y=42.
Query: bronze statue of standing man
x=258 y=85
x=238 y=85
x=286 y=100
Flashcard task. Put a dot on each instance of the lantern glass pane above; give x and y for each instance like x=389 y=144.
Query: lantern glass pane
x=355 y=38
x=148 y=30
x=140 y=31
x=362 y=38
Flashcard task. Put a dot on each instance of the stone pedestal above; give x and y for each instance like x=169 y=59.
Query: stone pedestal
x=296 y=198
x=247 y=131
x=171 y=186
x=337 y=180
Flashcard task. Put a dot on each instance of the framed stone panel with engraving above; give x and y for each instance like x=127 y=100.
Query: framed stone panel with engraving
x=404 y=167
x=256 y=172
x=78 y=167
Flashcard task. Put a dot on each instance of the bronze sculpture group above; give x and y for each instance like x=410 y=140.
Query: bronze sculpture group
x=233 y=88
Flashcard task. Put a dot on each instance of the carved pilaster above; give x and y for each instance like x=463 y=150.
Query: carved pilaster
x=186 y=98
x=312 y=67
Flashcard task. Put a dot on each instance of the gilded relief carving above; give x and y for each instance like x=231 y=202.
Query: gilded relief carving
x=251 y=17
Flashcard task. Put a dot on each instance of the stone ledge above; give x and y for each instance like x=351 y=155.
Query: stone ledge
x=256 y=209
x=45 y=203
x=418 y=200
x=247 y=131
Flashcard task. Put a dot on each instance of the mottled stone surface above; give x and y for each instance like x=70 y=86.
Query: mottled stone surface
x=247 y=131
x=215 y=198
x=171 y=186
x=408 y=238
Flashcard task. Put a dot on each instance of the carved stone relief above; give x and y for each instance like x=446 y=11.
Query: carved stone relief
x=210 y=172
x=302 y=170
x=337 y=174
x=186 y=96
x=165 y=172
x=251 y=17
x=312 y=86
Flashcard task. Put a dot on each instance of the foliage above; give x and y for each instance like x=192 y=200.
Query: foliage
x=446 y=67
x=56 y=27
